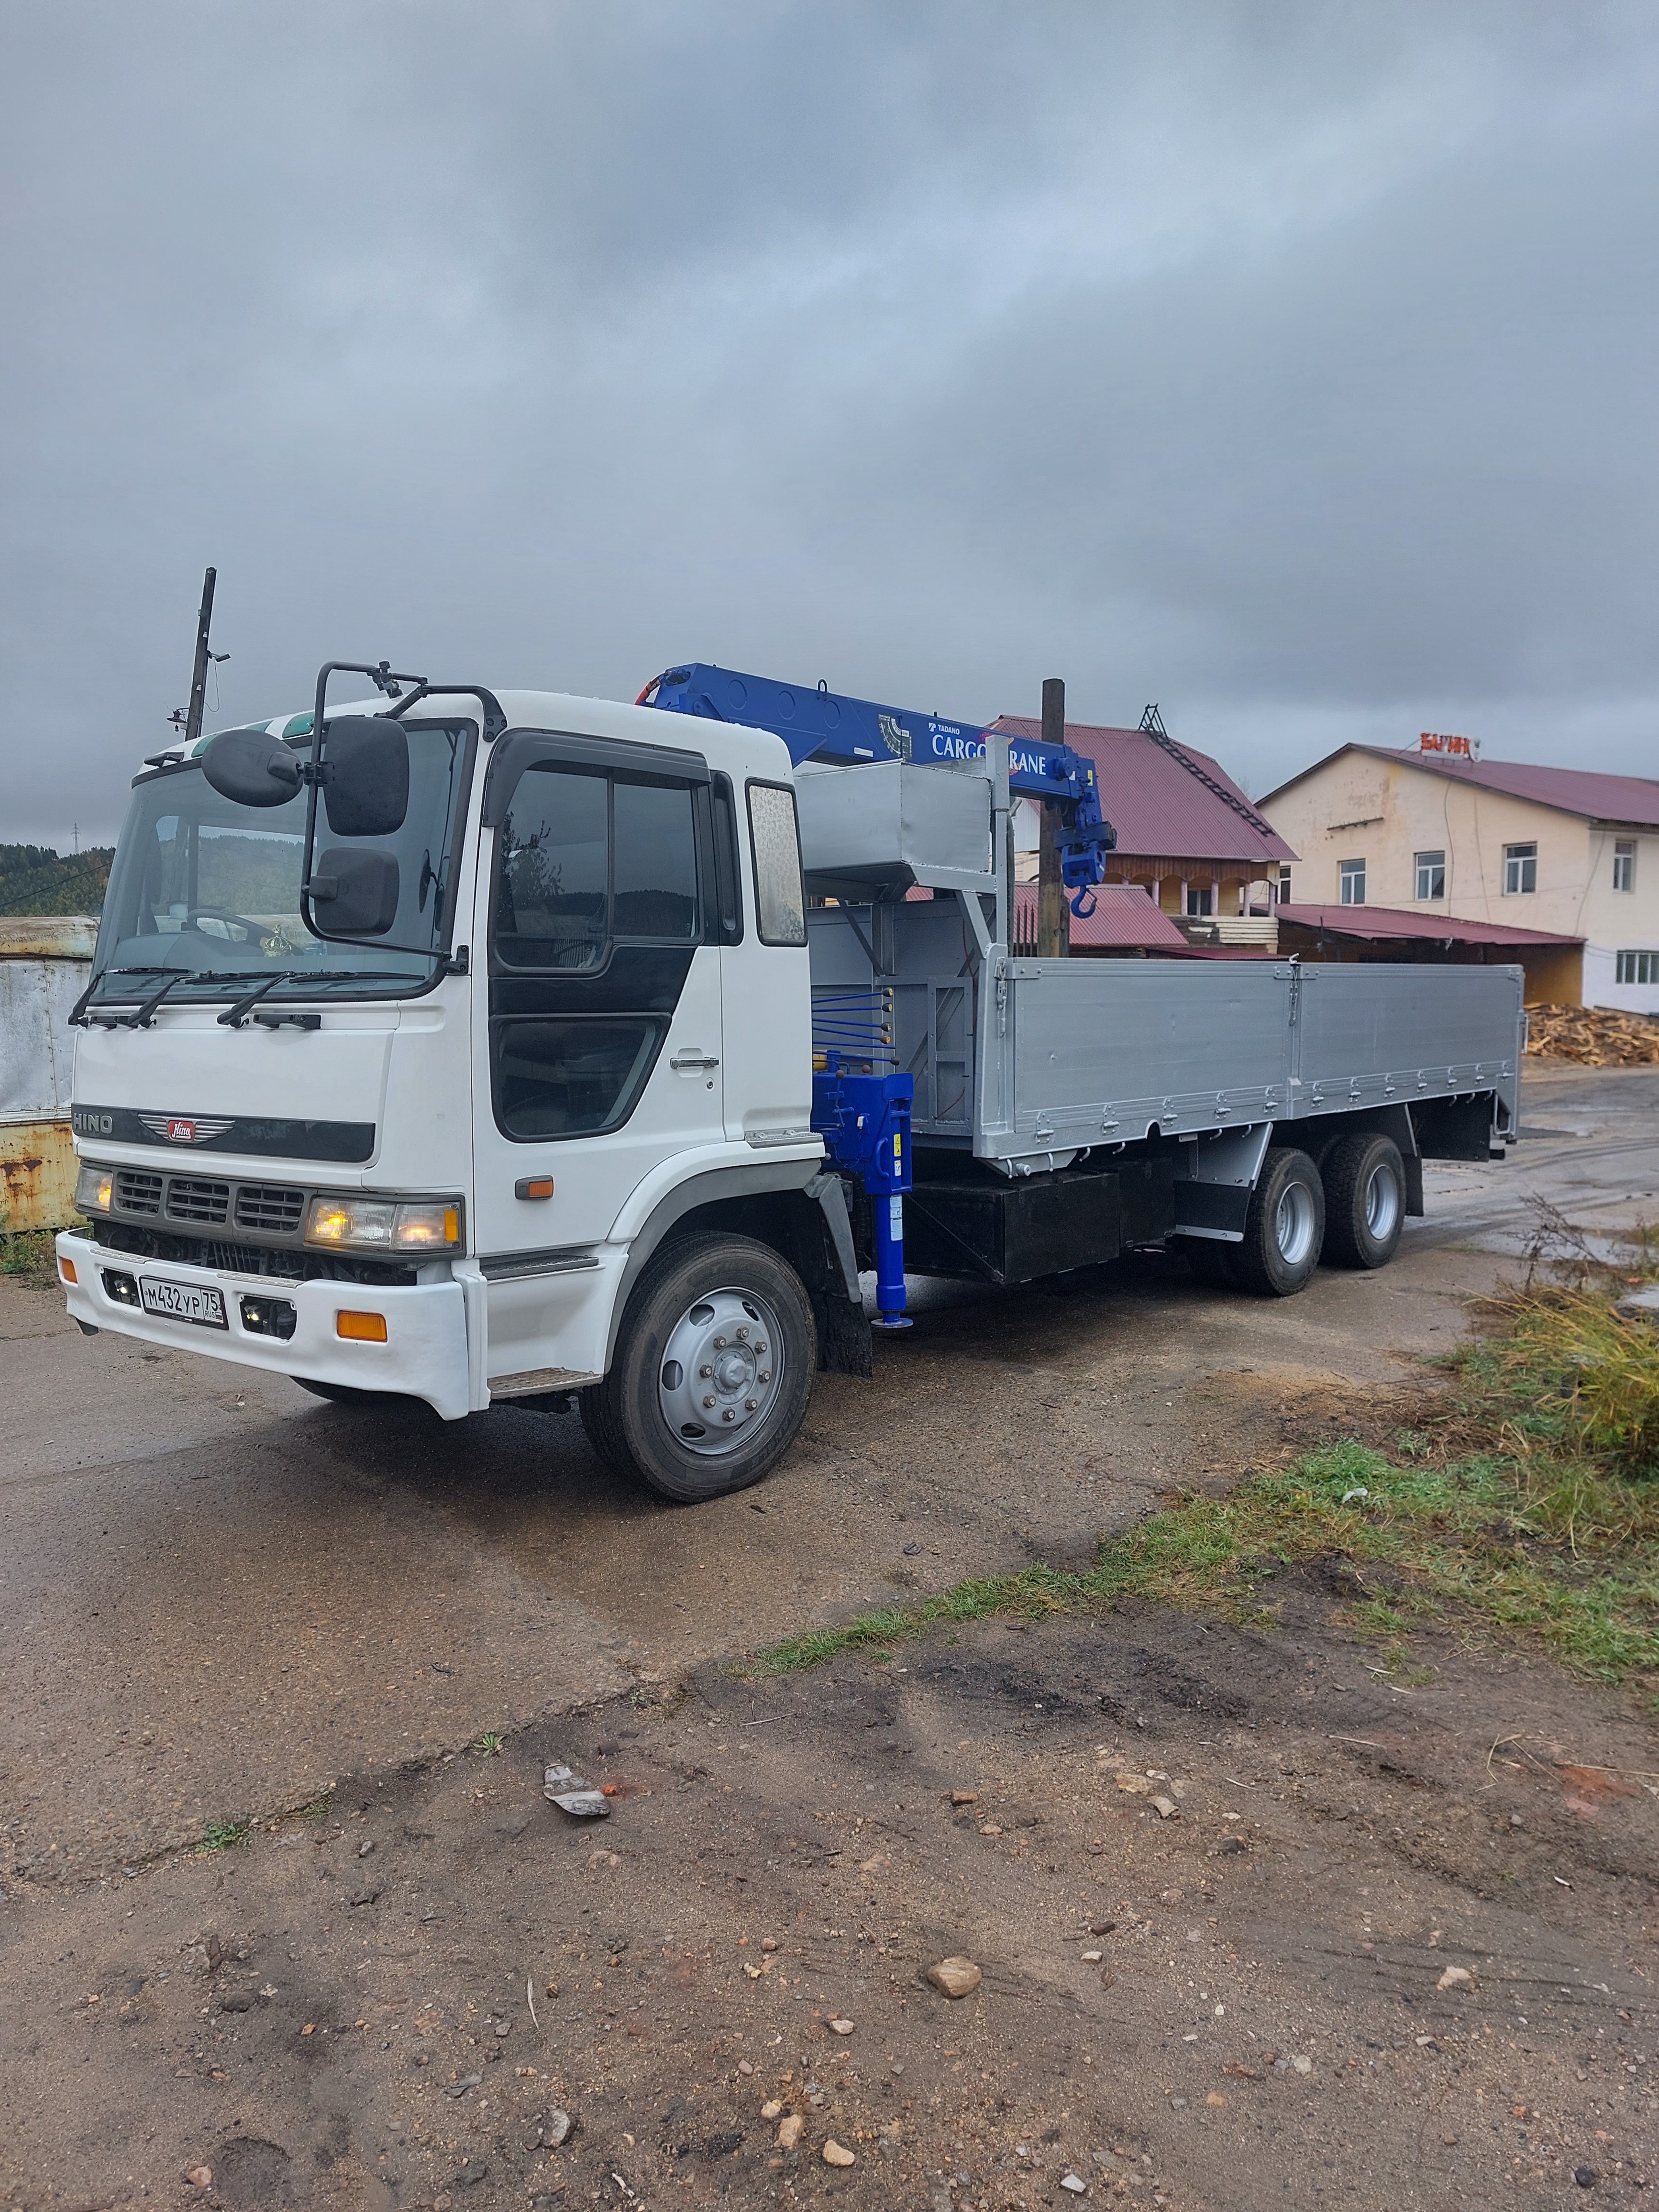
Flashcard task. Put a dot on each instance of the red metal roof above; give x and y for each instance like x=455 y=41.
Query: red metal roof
x=1388 y=921
x=1634 y=798
x=1124 y=918
x=1155 y=805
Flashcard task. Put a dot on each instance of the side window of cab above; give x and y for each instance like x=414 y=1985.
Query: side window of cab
x=605 y=886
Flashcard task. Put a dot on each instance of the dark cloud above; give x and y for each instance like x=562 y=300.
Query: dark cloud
x=1291 y=366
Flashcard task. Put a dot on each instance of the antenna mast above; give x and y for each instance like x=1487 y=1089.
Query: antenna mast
x=198 y=673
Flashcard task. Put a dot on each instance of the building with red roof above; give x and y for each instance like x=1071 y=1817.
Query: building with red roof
x=1186 y=833
x=1551 y=856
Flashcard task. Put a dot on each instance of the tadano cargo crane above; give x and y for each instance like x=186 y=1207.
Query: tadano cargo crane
x=820 y=725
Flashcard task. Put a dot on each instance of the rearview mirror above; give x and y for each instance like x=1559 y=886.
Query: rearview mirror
x=354 y=894
x=251 y=768
x=365 y=784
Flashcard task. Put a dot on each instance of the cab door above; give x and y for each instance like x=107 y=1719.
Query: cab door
x=598 y=1051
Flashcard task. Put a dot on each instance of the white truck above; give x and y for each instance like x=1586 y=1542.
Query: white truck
x=470 y=1044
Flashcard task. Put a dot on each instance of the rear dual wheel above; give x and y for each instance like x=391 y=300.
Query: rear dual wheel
x=1284 y=1230
x=1351 y=1215
x=1364 y=1179
x=712 y=1369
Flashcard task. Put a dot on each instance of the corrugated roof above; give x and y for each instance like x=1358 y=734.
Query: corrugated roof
x=1634 y=798
x=1155 y=805
x=1124 y=917
x=1389 y=921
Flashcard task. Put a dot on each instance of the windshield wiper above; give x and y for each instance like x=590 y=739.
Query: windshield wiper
x=143 y=1015
x=235 y=1016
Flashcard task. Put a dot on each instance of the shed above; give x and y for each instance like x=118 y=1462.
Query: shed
x=1552 y=964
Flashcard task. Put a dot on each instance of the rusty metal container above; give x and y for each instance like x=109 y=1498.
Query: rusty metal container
x=44 y=966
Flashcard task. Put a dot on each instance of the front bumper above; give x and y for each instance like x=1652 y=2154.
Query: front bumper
x=424 y=1355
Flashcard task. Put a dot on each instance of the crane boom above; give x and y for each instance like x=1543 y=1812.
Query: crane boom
x=818 y=724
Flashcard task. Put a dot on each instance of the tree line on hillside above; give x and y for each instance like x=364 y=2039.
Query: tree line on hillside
x=34 y=879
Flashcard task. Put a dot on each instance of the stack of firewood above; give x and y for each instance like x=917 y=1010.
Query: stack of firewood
x=1596 y=1036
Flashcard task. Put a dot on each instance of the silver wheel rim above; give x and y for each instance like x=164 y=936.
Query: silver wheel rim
x=721 y=1371
x=1294 y=1224
x=1382 y=1202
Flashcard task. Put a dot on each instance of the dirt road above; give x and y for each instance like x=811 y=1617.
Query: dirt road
x=218 y=1599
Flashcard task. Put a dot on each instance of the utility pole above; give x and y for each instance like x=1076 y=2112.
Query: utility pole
x=1054 y=915
x=198 y=674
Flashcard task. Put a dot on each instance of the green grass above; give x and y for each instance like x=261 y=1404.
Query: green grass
x=29 y=1253
x=1530 y=1512
x=225 y=1835
x=488 y=1745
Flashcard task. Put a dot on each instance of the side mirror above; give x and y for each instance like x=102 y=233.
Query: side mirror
x=251 y=768
x=365 y=784
x=354 y=894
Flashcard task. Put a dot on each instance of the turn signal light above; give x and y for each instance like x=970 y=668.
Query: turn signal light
x=66 y=1269
x=361 y=1328
x=533 y=1186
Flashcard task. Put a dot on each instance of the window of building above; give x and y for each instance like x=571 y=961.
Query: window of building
x=1200 y=899
x=1520 y=869
x=1350 y=882
x=1639 y=968
x=1282 y=893
x=1431 y=875
x=1624 y=864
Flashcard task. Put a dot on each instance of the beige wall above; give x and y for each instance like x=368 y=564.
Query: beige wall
x=1385 y=813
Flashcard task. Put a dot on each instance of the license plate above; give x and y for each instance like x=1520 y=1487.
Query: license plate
x=183 y=1301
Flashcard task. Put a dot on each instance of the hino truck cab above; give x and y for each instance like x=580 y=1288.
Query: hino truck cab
x=459 y=1048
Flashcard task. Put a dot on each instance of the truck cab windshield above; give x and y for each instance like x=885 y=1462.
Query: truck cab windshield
x=211 y=891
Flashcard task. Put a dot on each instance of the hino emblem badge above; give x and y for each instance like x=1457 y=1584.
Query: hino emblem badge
x=183 y=1128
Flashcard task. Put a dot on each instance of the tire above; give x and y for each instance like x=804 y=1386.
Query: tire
x=1284 y=1227
x=341 y=1394
x=710 y=1302
x=1213 y=1262
x=1364 y=1180
x=601 y=1432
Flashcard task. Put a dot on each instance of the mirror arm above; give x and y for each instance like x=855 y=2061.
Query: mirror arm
x=494 y=720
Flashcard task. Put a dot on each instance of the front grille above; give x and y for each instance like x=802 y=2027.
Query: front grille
x=192 y=1197
x=137 y=1192
x=269 y=1207
x=293 y=1267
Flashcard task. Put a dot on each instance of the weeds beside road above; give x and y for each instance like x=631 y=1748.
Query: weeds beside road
x=1529 y=1507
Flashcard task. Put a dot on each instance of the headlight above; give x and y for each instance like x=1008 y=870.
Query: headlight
x=93 y=1188
x=385 y=1224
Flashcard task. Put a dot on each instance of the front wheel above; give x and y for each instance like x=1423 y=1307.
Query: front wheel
x=711 y=1372
x=1284 y=1227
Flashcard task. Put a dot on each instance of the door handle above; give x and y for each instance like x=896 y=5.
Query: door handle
x=686 y=1063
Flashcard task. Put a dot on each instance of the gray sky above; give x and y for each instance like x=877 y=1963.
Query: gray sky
x=1292 y=365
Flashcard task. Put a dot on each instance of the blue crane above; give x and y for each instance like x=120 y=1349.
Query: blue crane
x=818 y=724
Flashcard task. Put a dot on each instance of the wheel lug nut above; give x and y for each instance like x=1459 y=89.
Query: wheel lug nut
x=765 y=1374
x=728 y=1415
x=759 y=1347
x=708 y=1401
x=719 y=1342
x=705 y=1372
x=742 y=1333
x=749 y=1404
